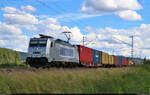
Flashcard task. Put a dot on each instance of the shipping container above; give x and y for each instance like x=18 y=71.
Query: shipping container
x=126 y=61
x=116 y=60
x=119 y=60
x=96 y=56
x=105 y=58
x=112 y=57
x=109 y=56
x=123 y=61
x=85 y=55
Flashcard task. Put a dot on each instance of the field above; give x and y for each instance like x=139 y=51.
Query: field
x=134 y=79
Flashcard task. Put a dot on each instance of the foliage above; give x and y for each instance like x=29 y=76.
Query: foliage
x=8 y=56
x=147 y=62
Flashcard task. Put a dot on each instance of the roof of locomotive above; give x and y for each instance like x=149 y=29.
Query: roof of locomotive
x=59 y=41
x=64 y=42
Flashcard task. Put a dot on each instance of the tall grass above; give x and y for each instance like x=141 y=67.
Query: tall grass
x=101 y=80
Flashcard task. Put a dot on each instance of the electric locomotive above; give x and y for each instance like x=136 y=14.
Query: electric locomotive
x=47 y=51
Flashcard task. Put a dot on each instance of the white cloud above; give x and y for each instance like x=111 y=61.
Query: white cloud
x=48 y=21
x=118 y=7
x=10 y=10
x=88 y=28
x=20 y=19
x=129 y=15
x=74 y=16
x=28 y=8
x=77 y=35
x=12 y=37
x=15 y=16
x=50 y=26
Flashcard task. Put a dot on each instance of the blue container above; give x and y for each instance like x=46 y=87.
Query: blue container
x=119 y=60
x=96 y=56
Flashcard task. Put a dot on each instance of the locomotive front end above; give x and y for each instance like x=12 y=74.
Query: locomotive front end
x=38 y=52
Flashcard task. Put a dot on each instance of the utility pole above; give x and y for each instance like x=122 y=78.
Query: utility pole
x=113 y=52
x=83 y=40
x=132 y=49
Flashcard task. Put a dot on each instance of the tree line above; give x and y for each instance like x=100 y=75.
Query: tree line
x=8 y=56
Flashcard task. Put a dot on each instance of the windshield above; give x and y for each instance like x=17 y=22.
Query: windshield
x=38 y=43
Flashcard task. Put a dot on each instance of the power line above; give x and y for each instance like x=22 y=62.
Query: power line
x=58 y=11
x=122 y=41
x=131 y=45
x=64 y=10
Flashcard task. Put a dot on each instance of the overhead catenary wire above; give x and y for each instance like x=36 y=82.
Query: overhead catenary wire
x=64 y=10
x=58 y=10
x=61 y=10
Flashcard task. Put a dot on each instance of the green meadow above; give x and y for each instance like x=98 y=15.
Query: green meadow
x=134 y=79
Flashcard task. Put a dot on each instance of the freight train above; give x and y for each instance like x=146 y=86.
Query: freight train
x=46 y=51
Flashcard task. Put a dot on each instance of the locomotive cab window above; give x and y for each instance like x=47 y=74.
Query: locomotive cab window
x=42 y=43
x=38 y=43
x=33 y=43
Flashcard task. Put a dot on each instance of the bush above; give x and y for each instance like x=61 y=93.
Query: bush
x=147 y=62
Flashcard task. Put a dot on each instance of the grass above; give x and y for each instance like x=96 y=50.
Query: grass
x=135 y=79
x=13 y=65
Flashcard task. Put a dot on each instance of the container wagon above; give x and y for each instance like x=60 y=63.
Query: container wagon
x=96 y=57
x=116 y=62
x=105 y=59
x=85 y=56
x=112 y=60
x=109 y=60
x=119 y=60
x=126 y=61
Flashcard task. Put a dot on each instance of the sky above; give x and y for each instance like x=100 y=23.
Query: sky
x=103 y=22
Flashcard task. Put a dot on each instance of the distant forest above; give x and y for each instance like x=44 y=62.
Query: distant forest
x=8 y=56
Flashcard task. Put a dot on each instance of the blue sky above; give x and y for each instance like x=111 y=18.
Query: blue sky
x=99 y=20
x=61 y=7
